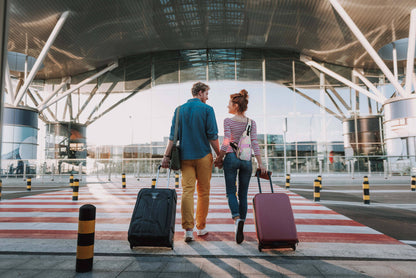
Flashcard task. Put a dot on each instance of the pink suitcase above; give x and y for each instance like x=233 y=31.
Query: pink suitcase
x=273 y=215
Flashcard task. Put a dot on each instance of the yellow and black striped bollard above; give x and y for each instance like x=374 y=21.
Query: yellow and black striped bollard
x=287 y=181
x=316 y=191
x=1 y=185
x=320 y=182
x=29 y=184
x=153 y=183
x=366 y=191
x=176 y=180
x=413 y=184
x=86 y=234
x=71 y=180
x=75 y=190
x=123 y=180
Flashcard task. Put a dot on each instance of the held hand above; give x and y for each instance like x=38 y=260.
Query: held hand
x=165 y=162
x=218 y=162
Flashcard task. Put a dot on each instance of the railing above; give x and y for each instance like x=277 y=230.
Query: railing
x=146 y=167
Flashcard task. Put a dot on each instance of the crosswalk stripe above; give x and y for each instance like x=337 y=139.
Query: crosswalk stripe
x=55 y=215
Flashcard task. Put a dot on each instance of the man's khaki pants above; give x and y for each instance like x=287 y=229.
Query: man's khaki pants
x=199 y=170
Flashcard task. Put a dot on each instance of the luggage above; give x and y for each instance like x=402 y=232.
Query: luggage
x=154 y=215
x=273 y=215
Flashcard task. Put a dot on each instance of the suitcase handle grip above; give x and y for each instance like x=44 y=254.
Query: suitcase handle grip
x=157 y=175
x=268 y=177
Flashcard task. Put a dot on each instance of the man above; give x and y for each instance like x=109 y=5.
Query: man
x=196 y=132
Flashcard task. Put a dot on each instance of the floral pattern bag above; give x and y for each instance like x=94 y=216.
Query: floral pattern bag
x=243 y=148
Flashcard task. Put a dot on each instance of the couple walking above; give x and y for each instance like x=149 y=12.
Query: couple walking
x=197 y=133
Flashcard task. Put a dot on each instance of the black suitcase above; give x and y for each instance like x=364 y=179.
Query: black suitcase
x=154 y=215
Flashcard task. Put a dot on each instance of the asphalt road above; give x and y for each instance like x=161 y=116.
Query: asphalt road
x=392 y=208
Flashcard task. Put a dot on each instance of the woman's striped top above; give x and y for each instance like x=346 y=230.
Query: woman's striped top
x=233 y=131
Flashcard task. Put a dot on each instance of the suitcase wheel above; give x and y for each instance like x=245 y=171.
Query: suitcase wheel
x=294 y=247
x=260 y=248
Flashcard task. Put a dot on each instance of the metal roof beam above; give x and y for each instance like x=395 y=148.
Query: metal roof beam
x=110 y=89
x=341 y=118
x=54 y=93
x=414 y=80
x=334 y=103
x=87 y=101
x=411 y=52
x=49 y=110
x=395 y=68
x=79 y=85
x=134 y=92
x=377 y=59
x=41 y=57
x=329 y=85
x=338 y=77
x=9 y=85
x=359 y=74
x=31 y=96
x=69 y=103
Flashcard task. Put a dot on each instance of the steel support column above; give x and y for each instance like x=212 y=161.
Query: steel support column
x=79 y=85
x=340 y=78
x=377 y=59
x=360 y=74
x=8 y=80
x=4 y=7
x=411 y=52
x=41 y=57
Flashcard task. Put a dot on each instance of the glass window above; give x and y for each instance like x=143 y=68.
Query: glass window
x=166 y=72
x=249 y=70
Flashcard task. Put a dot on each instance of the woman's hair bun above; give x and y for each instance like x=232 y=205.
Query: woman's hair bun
x=244 y=93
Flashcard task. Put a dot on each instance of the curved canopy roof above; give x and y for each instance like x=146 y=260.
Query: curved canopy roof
x=98 y=32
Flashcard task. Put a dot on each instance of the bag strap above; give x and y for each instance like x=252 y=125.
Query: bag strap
x=175 y=136
x=248 y=127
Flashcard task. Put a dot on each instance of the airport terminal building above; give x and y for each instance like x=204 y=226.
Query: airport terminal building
x=331 y=82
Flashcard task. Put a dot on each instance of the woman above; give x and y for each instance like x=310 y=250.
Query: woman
x=233 y=130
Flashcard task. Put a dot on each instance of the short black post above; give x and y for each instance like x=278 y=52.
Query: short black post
x=366 y=191
x=1 y=185
x=123 y=180
x=29 y=184
x=320 y=182
x=316 y=191
x=86 y=234
x=71 y=180
x=75 y=190
x=413 y=184
x=153 y=183
x=287 y=181
x=176 y=180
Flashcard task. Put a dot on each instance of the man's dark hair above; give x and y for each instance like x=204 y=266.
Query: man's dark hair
x=199 y=86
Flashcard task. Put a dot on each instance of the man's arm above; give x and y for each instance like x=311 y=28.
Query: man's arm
x=216 y=146
x=166 y=156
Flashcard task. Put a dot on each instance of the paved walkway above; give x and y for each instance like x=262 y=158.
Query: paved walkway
x=38 y=238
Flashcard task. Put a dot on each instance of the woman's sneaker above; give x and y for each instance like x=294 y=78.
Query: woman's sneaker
x=239 y=226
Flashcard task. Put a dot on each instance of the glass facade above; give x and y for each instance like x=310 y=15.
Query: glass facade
x=19 y=140
x=299 y=113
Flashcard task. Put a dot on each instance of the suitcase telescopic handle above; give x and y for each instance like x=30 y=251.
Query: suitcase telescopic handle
x=258 y=173
x=157 y=175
